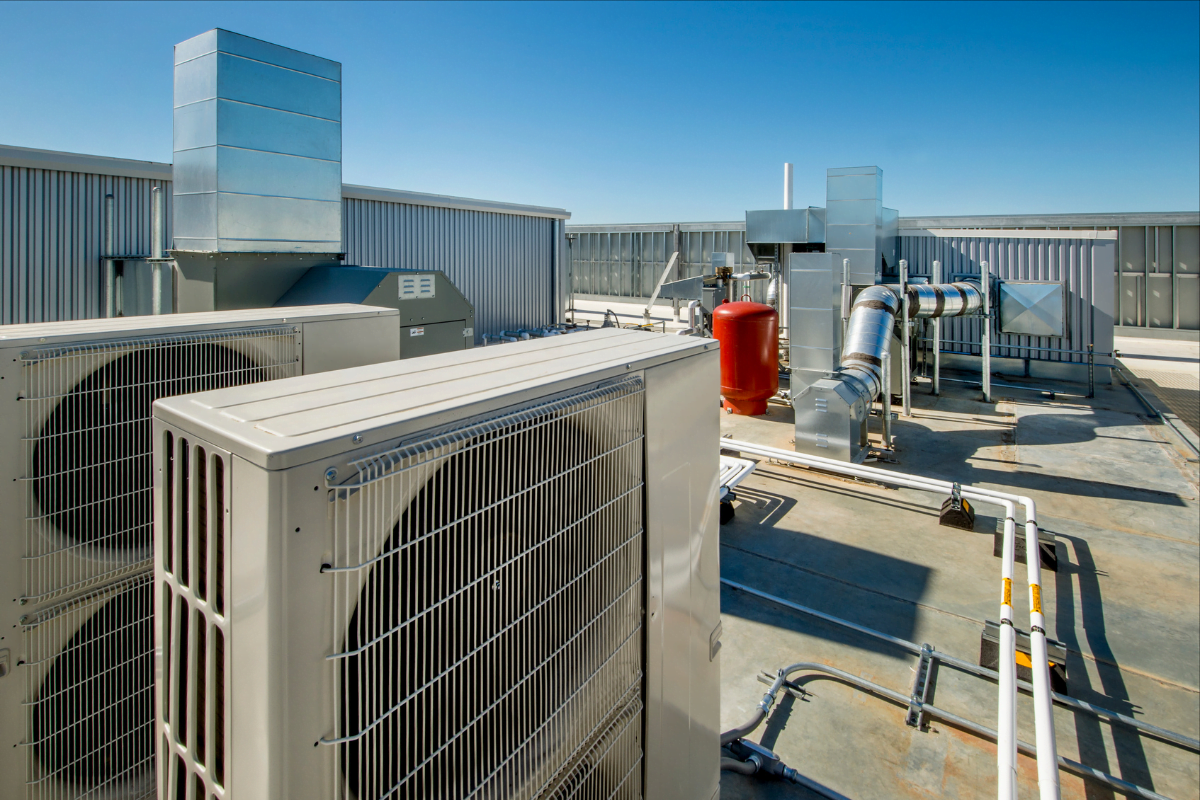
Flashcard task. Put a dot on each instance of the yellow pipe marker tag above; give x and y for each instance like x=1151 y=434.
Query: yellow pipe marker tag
x=1035 y=592
x=1007 y=592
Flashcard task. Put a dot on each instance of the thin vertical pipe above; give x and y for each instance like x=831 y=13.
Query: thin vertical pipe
x=906 y=378
x=937 y=337
x=157 y=214
x=986 y=335
x=110 y=268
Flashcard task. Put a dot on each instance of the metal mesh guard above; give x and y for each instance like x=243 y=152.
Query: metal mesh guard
x=90 y=680
x=88 y=410
x=488 y=594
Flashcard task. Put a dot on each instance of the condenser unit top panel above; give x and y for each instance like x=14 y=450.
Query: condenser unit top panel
x=43 y=333
x=297 y=421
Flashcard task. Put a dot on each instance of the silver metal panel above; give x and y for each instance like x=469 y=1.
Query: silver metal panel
x=854 y=218
x=815 y=338
x=776 y=226
x=1032 y=308
x=831 y=419
x=270 y=141
x=683 y=595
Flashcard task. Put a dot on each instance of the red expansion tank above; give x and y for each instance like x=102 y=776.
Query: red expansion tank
x=749 y=337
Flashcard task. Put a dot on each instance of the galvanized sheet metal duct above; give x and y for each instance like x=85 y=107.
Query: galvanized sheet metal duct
x=873 y=315
x=943 y=300
x=869 y=339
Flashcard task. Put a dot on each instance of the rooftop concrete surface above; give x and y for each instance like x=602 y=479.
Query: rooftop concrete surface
x=1120 y=497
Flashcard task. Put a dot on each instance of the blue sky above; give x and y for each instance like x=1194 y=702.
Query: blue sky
x=672 y=111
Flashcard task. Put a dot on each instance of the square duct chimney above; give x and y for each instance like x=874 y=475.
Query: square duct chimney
x=257 y=169
x=854 y=220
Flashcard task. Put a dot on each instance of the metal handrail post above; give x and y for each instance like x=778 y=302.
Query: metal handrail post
x=986 y=337
x=937 y=337
x=904 y=341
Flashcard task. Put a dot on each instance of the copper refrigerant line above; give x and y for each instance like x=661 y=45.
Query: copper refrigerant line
x=1046 y=751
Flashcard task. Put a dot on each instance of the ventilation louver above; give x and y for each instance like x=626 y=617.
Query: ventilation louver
x=470 y=579
x=78 y=443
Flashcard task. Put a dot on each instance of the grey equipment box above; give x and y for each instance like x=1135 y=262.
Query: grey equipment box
x=434 y=315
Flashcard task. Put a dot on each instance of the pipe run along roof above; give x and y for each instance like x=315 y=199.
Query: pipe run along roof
x=32 y=158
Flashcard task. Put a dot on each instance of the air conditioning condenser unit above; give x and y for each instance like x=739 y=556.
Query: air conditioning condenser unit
x=76 y=631
x=483 y=574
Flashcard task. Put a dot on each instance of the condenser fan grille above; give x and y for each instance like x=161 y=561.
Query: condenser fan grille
x=91 y=680
x=88 y=411
x=489 y=602
x=88 y=543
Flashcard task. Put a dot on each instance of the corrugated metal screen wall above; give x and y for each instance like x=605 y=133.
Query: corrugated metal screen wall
x=1074 y=262
x=503 y=263
x=626 y=261
x=52 y=240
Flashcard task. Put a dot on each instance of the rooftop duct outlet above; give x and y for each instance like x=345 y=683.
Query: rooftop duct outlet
x=767 y=229
x=857 y=224
x=257 y=170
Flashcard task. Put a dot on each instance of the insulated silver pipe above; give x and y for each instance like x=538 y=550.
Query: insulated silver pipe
x=869 y=332
x=944 y=300
x=869 y=339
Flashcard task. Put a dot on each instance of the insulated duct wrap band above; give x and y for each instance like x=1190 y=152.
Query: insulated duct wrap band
x=944 y=300
x=869 y=339
x=869 y=332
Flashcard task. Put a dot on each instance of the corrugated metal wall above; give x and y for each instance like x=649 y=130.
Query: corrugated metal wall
x=1085 y=266
x=52 y=238
x=627 y=260
x=503 y=263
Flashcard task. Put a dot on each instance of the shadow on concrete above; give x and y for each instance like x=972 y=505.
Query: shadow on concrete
x=1112 y=692
x=805 y=574
x=967 y=473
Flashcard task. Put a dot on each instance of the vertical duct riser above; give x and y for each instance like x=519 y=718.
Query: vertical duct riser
x=854 y=220
x=258 y=147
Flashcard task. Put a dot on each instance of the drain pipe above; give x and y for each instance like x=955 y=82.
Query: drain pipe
x=1042 y=695
x=974 y=727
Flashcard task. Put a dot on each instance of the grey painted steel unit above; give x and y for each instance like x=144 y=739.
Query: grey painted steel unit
x=586 y=638
x=77 y=713
x=258 y=147
x=434 y=315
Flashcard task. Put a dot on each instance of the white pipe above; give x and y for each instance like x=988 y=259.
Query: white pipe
x=787 y=186
x=1042 y=697
x=1006 y=722
x=1043 y=712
